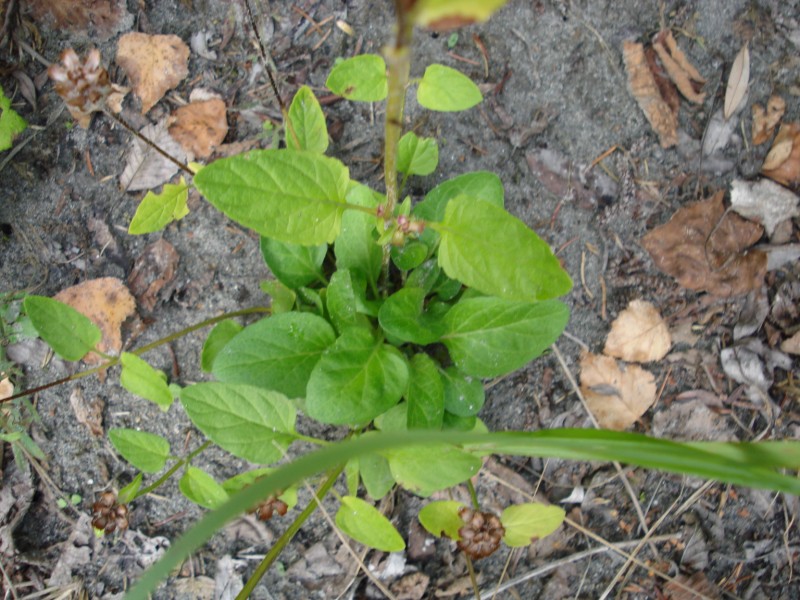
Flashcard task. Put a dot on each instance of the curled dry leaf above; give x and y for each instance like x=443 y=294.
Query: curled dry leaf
x=107 y=303
x=685 y=76
x=782 y=164
x=738 y=81
x=764 y=201
x=638 y=334
x=707 y=249
x=154 y=64
x=200 y=127
x=618 y=395
x=765 y=121
x=644 y=88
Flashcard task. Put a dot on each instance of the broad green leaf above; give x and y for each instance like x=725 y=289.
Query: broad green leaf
x=356 y=379
x=447 y=90
x=139 y=378
x=364 y=523
x=424 y=276
x=483 y=185
x=355 y=248
x=156 y=211
x=145 y=451
x=312 y=299
x=343 y=301
x=403 y=316
x=463 y=395
x=70 y=334
x=283 y=298
x=249 y=422
x=11 y=124
x=446 y=14
x=276 y=353
x=526 y=523
x=222 y=333
x=292 y=264
x=411 y=255
x=425 y=394
x=492 y=251
x=361 y=78
x=201 y=488
x=290 y=195
x=416 y=470
x=306 y=127
x=416 y=155
x=394 y=419
x=488 y=336
x=441 y=518
x=376 y=475
x=452 y=422
x=128 y=493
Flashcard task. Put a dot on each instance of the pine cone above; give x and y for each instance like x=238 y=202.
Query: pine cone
x=481 y=533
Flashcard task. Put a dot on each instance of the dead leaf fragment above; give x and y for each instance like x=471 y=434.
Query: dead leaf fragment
x=200 y=127
x=738 y=80
x=705 y=249
x=100 y=18
x=145 y=168
x=765 y=121
x=638 y=334
x=680 y=70
x=89 y=413
x=790 y=346
x=107 y=303
x=6 y=388
x=155 y=268
x=764 y=201
x=782 y=164
x=643 y=87
x=617 y=395
x=153 y=63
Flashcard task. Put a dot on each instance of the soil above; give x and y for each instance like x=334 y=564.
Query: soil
x=554 y=81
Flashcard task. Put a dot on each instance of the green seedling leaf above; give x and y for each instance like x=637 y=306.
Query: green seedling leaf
x=290 y=195
x=424 y=276
x=446 y=14
x=441 y=519
x=312 y=299
x=361 y=78
x=463 y=395
x=453 y=422
x=411 y=255
x=145 y=451
x=156 y=211
x=139 y=378
x=452 y=40
x=128 y=493
x=243 y=480
x=447 y=90
x=222 y=333
x=283 y=298
x=70 y=334
x=415 y=471
x=356 y=379
x=199 y=487
x=249 y=422
x=11 y=124
x=526 y=523
x=292 y=264
x=306 y=127
x=351 y=477
x=425 y=394
x=416 y=155
x=492 y=251
x=276 y=353
x=356 y=248
x=364 y=523
x=394 y=419
x=376 y=475
x=403 y=316
x=488 y=337
x=343 y=301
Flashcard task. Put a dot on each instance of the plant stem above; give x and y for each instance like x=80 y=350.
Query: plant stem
x=287 y=536
x=472 y=579
x=473 y=495
x=172 y=470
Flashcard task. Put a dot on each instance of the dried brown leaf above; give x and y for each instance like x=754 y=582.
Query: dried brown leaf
x=154 y=268
x=677 y=54
x=644 y=88
x=707 y=249
x=782 y=164
x=101 y=18
x=697 y=582
x=6 y=388
x=738 y=81
x=790 y=346
x=678 y=67
x=669 y=93
x=154 y=64
x=616 y=395
x=765 y=121
x=764 y=201
x=89 y=413
x=145 y=168
x=638 y=334
x=200 y=127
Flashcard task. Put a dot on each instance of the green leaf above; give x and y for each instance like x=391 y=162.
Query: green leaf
x=128 y=493
x=526 y=523
x=488 y=249
x=222 y=333
x=342 y=302
x=411 y=255
x=446 y=14
x=453 y=422
x=361 y=78
x=139 y=378
x=403 y=316
x=376 y=475
x=351 y=477
x=364 y=523
x=425 y=394
x=199 y=487
x=145 y=451
x=394 y=419
x=248 y=478
x=447 y=90
x=424 y=276
x=441 y=518
x=488 y=337
x=356 y=379
x=156 y=211
x=416 y=155
x=249 y=422
x=424 y=471
x=11 y=124
x=283 y=298
x=292 y=264
x=289 y=195
x=463 y=395
x=70 y=334
x=276 y=353
x=307 y=122
x=355 y=248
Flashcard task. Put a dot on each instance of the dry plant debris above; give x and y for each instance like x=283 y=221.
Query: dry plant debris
x=107 y=303
x=199 y=127
x=153 y=63
x=707 y=249
x=6 y=388
x=145 y=168
x=89 y=414
x=766 y=120
x=617 y=395
x=638 y=334
x=738 y=80
x=155 y=267
x=764 y=201
x=685 y=76
x=782 y=164
x=103 y=17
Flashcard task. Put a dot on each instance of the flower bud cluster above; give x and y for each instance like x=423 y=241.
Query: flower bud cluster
x=108 y=515
x=481 y=533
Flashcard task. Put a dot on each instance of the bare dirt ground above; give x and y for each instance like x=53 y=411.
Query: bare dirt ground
x=556 y=96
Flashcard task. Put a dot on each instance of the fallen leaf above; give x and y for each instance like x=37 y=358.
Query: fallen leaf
x=697 y=582
x=563 y=178
x=616 y=395
x=89 y=413
x=153 y=63
x=752 y=363
x=764 y=201
x=410 y=587
x=669 y=93
x=199 y=127
x=782 y=163
x=680 y=70
x=706 y=249
x=718 y=134
x=638 y=334
x=100 y=18
x=790 y=346
x=145 y=168
x=107 y=303
x=6 y=388
x=765 y=121
x=738 y=80
x=155 y=268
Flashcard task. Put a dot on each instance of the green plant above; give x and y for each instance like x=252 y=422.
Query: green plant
x=11 y=124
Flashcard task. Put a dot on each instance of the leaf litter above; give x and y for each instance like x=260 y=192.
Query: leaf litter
x=145 y=168
x=639 y=334
x=782 y=163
